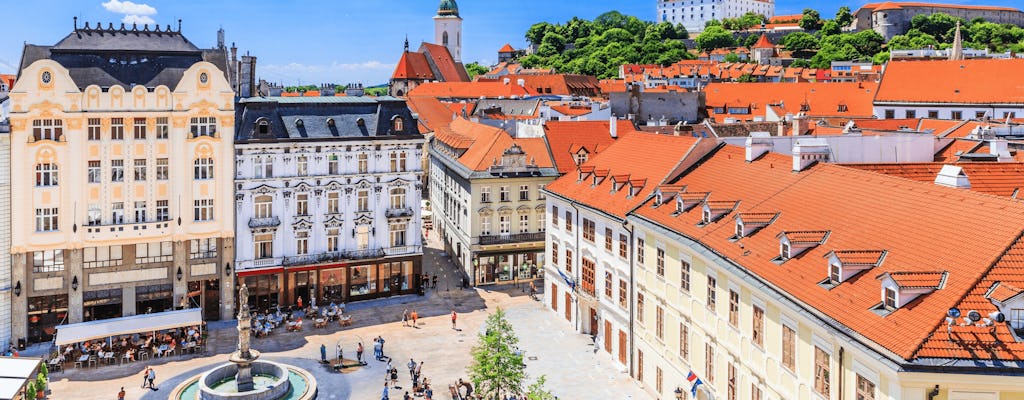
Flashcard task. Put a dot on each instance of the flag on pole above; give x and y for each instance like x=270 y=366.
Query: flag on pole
x=695 y=381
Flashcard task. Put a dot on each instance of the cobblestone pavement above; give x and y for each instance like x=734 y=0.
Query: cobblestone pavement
x=573 y=368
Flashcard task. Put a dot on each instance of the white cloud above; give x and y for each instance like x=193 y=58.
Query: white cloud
x=137 y=19
x=7 y=67
x=129 y=8
x=368 y=72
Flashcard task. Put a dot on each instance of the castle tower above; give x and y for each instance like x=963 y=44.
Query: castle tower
x=448 y=28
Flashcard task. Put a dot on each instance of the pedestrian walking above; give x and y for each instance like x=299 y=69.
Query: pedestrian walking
x=121 y=394
x=412 y=368
x=381 y=340
x=340 y=353
x=419 y=369
x=394 y=377
x=433 y=282
x=377 y=353
x=323 y=353
x=152 y=378
x=454 y=316
x=414 y=316
x=145 y=377
x=384 y=396
x=407 y=397
x=359 y=352
x=405 y=317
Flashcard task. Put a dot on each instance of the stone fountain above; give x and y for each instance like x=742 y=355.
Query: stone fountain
x=245 y=355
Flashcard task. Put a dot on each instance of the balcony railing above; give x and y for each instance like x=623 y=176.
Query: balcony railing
x=399 y=212
x=333 y=256
x=402 y=250
x=512 y=238
x=264 y=222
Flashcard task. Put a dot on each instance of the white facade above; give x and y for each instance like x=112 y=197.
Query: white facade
x=950 y=111
x=448 y=33
x=6 y=286
x=694 y=14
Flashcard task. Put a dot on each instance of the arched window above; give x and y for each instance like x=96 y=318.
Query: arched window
x=398 y=198
x=444 y=38
x=398 y=124
x=361 y=122
x=262 y=126
x=46 y=174
x=263 y=206
x=203 y=169
x=330 y=122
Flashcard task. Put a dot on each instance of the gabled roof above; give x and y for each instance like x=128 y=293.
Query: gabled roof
x=917 y=280
x=450 y=70
x=413 y=65
x=994 y=178
x=806 y=237
x=468 y=90
x=484 y=144
x=763 y=43
x=859 y=257
x=566 y=137
x=507 y=48
x=974 y=81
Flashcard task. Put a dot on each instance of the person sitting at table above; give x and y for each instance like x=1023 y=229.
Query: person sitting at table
x=170 y=348
x=130 y=354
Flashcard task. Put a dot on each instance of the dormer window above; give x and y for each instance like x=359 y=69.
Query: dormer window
x=794 y=243
x=330 y=123
x=581 y=157
x=835 y=274
x=706 y=217
x=398 y=124
x=299 y=123
x=844 y=264
x=747 y=223
x=361 y=122
x=784 y=251
x=899 y=288
x=688 y=200
x=262 y=126
x=842 y=108
x=739 y=229
x=715 y=210
x=890 y=299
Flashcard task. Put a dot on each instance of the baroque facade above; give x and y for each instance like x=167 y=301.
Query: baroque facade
x=694 y=15
x=121 y=161
x=327 y=199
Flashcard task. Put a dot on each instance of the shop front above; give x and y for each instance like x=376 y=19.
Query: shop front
x=102 y=304
x=44 y=314
x=508 y=267
x=154 y=298
x=205 y=294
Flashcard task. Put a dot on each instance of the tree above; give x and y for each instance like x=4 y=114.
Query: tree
x=800 y=63
x=714 y=37
x=843 y=17
x=474 y=69
x=555 y=40
x=497 y=369
x=746 y=78
x=536 y=391
x=939 y=25
x=829 y=28
x=800 y=41
x=537 y=31
x=913 y=39
x=811 y=21
x=750 y=40
x=732 y=58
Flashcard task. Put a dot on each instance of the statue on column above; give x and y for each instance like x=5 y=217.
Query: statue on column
x=244 y=322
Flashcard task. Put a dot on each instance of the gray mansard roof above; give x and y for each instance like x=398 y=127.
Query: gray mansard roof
x=321 y=118
x=125 y=56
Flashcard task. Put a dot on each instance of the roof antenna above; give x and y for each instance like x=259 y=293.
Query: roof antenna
x=179 y=25
x=407 y=43
x=76 y=23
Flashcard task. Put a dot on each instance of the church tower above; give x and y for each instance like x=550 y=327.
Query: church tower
x=448 y=28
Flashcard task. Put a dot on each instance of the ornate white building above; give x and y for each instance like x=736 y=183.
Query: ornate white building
x=694 y=14
x=120 y=158
x=448 y=28
x=327 y=193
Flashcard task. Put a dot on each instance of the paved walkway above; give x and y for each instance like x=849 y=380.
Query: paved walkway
x=574 y=370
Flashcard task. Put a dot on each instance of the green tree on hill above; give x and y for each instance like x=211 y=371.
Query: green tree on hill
x=714 y=37
x=843 y=17
x=811 y=21
x=474 y=69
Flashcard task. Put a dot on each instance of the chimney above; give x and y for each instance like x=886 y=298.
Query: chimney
x=953 y=176
x=521 y=82
x=507 y=81
x=809 y=151
x=800 y=124
x=613 y=127
x=757 y=144
x=1001 y=149
x=355 y=90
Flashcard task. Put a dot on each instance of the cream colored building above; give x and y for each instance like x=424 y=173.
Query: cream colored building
x=122 y=171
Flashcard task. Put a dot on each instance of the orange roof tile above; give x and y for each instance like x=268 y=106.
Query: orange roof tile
x=860 y=257
x=431 y=113
x=974 y=81
x=450 y=70
x=897 y=5
x=757 y=218
x=568 y=137
x=899 y=216
x=763 y=43
x=468 y=90
x=1003 y=292
x=917 y=280
x=787 y=98
x=413 y=66
x=998 y=179
x=507 y=48
x=487 y=144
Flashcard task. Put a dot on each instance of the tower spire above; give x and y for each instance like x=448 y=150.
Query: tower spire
x=956 y=53
x=406 y=43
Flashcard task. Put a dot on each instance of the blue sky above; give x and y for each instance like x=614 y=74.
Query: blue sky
x=314 y=41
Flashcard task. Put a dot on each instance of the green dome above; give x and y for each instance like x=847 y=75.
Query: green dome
x=448 y=7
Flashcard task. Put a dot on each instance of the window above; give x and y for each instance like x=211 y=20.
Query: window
x=956 y=115
x=140 y=170
x=554 y=253
x=554 y=216
x=99 y=257
x=734 y=308
x=264 y=244
x=505 y=224
x=202 y=248
x=659 y=262
x=640 y=307
x=709 y=362
x=398 y=161
x=263 y=206
x=979 y=114
x=398 y=198
x=47 y=129
x=865 y=389
x=301 y=242
x=623 y=293
x=524 y=192
x=333 y=202
x=117 y=213
x=784 y=251
x=203 y=169
x=623 y=246
x=485 y=226
x=140 y=211
x=93 y=127
x=589 y=277
x=203 y=126
x=908 y=114
x=524 y=223
x=485 y=194
x=833 y=274
x=890 y=114
x=332 y=165
x=162 y=169
x=684 y=340
x=363 y=200
x=162 y=211
x=933 y=114
x=789 y=348
x=504 y=193
x=117 y=170
x=608 y=282
x=890 y=298
x=755 y=392
x=398 y=234
x=95 y=215
x=203 y=210
x=540 y=222
x=139 y=128
x=608 y=239
x=684 y=275
x=117 y=129
x=712 y=299
x=568 y=221
x=757 y=331
x=301 y=166
x=659 y=322
x=640 y=365
x=659 y=379
x=162 y=128
x=364 y=162
x=302 y=204
x=264 y=167
x=46 y=219
x=333 y=239
x=48 y=261
x=46 y=174
x=731 y=383
x=568 y=260
x=640 y=252
x=588 y=230
x=821 y=372
x=147 y=253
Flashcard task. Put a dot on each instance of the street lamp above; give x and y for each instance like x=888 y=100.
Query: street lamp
x=179 y=274
x=74 y=283
x=679 y=393
x=17 y=289
x=227 y=269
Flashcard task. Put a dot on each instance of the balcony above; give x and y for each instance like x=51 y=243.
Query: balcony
x=399 y=212
x=334 y=256
x=135 y=230
x=402 y=250
x=264 y=222
x=512 y=238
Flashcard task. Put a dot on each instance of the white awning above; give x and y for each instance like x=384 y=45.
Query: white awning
x=81 y=332
x=10 y=387
x=14 y=372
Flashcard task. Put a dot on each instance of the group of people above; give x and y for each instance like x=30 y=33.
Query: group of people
x=409 y=318
x=128 y=347
x=428 y=282
x=420 y=384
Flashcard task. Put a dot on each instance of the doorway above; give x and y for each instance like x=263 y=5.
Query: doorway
x=608 y=336
x=622 y=347
x=568 y=307
x=593 y=322
x=211 y=300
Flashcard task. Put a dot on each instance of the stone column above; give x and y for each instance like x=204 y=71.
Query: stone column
x=73 y=266
x=19 y=304
x=180 y=287
x=128 y=301
x=227 y=290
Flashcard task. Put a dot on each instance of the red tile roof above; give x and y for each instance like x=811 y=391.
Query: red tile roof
x=566 y=138
x=998 y=179
x=450 y=70
x=636 y=157
x=898 y=5
x=974 y=81
x=763 y=43
x=917 y=280
x=413 y=66
x=468 y=90
x=899 y=216
x=507 y=48
x=484 y=144
x=432 y=114
x=554 y=84
x=787 y=98
x=860 y=257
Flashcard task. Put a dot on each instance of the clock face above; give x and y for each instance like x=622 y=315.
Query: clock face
x=46 y=77
x=203 y=78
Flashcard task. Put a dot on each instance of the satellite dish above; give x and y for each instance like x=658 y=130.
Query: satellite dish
x=974 y=316
x=953 y=312
x=997 y=317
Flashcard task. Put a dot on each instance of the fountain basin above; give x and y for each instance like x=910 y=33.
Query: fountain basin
x=217 y=384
